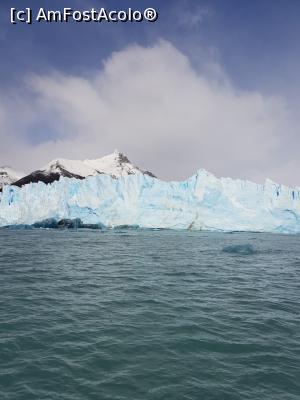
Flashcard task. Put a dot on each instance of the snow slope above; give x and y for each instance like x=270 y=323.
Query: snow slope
x=8 y=176
x=201 y=202
x=115 y=165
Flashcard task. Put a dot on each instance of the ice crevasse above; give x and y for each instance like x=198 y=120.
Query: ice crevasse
x=201 y=202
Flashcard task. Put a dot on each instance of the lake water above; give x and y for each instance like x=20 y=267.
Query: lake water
x=141 y=314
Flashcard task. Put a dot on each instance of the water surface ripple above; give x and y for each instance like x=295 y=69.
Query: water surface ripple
x=138 y=315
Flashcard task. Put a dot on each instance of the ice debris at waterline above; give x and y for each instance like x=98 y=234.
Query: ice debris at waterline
x=201 y=202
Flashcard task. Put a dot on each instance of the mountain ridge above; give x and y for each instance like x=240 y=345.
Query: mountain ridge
x=115 y=165
x=8 y=176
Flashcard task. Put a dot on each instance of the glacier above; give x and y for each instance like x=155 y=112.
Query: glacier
x=202 y=202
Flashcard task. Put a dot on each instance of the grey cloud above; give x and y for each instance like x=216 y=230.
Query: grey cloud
x=150 y=103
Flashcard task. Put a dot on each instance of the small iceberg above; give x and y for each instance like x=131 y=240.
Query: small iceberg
x=240 y=249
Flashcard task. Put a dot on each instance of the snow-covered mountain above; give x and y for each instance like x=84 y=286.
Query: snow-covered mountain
x=201 y=202
x=115 y=165
x=8 y=176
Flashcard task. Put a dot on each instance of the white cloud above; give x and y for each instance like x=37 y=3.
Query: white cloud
x=192 y=18
x=155 y=107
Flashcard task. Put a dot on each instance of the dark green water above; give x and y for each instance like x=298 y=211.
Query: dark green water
x=149 y=315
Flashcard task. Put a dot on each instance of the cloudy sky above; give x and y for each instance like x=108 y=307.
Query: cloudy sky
x=211 y=84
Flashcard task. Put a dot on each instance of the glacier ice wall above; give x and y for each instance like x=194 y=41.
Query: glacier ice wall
x=201 y=202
